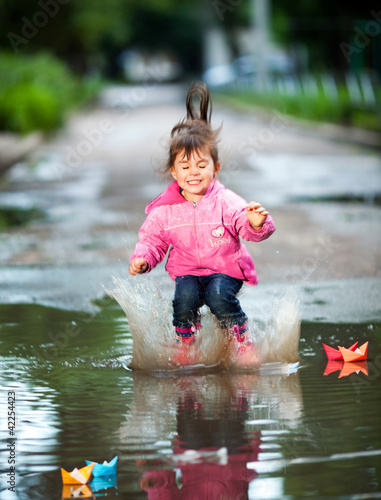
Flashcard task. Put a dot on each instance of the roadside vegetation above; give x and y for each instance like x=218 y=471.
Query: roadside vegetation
x=37 y=92
x=337 y=109
x=44 y=39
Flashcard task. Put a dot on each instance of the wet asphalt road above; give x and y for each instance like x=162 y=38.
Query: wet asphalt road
x=91 y=182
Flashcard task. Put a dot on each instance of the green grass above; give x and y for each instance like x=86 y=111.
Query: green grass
x=319 y=108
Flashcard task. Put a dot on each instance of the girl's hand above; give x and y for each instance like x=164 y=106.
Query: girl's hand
x=138 y=266
x=256 y=215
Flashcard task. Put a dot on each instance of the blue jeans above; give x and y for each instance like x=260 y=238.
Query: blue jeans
x=217 y=291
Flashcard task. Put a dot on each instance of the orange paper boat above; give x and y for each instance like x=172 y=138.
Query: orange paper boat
x=77 y=476
x=359 y=354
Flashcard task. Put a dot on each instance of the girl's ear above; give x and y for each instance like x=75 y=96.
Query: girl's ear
x=216 y=168
x=173 y=172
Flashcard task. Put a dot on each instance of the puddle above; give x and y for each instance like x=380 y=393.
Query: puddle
x=340 y=178
x=367 y=199
x=282 y=435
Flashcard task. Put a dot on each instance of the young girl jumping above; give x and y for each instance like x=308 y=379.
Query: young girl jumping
x=201 y=222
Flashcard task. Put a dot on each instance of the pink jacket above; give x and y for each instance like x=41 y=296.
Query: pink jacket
x=203 y=236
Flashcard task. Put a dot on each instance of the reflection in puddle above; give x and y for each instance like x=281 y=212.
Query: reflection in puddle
x=345 y=369
x=98 y=486
x=205 y=413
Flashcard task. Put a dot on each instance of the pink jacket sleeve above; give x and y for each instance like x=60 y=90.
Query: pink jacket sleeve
x=248 y=233
x=152 y=245
x=236 y=209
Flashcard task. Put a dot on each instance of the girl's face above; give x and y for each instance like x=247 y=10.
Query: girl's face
x=194 y=174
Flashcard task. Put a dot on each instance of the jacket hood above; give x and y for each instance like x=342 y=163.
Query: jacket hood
x=172 y=195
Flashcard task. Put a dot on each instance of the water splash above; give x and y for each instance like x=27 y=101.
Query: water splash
x=278 y=340
x=148 y=308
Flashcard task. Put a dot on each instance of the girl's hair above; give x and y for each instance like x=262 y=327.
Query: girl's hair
x=194 y=133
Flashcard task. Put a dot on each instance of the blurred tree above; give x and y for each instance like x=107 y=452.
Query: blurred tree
x=91 y=33
x=174 y=30
x=324 y=26
x=72 y=30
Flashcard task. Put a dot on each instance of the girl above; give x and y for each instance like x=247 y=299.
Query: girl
x=202 y=222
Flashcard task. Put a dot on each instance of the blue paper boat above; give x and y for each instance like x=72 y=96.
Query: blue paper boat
x=104 y=469
x=103 y=483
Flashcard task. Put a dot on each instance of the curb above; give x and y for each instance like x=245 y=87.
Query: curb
x=14 y=147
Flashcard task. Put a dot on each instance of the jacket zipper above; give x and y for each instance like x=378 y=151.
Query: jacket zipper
x=195 y=233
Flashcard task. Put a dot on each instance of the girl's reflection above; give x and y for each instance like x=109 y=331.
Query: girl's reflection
x=207 y=413
x=199 y=428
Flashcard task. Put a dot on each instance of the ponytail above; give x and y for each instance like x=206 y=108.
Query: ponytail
x=201 y=91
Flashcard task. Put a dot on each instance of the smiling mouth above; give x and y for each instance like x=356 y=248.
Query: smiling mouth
x=194 y=183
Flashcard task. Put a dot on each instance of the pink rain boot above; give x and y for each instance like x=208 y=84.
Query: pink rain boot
x=186 y=352
x=244 y=351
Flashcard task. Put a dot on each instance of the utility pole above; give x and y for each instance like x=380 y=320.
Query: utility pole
x=261 y=31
